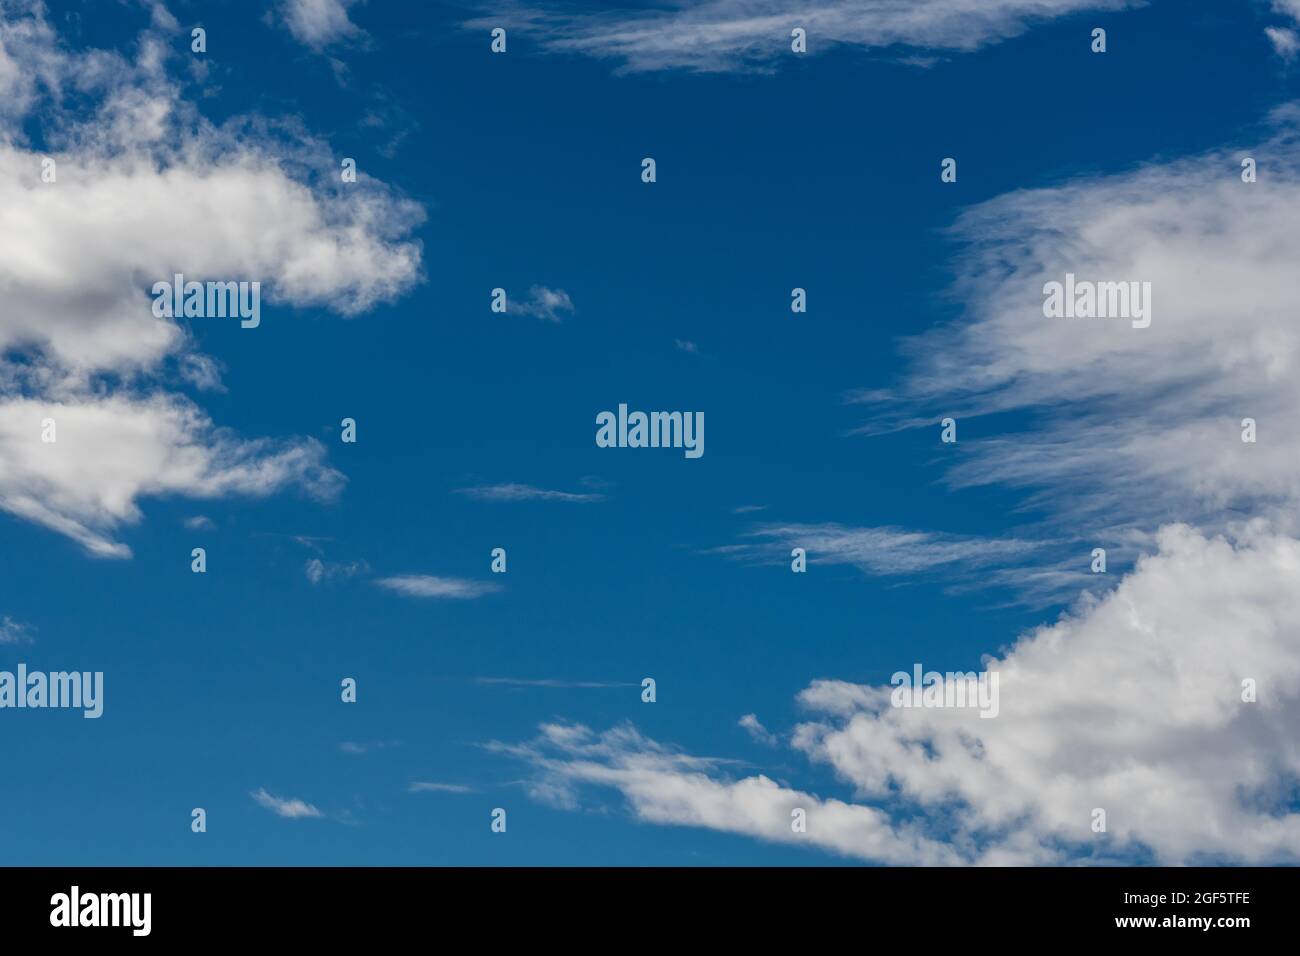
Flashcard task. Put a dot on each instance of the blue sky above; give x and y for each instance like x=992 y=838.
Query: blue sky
x=522 y=170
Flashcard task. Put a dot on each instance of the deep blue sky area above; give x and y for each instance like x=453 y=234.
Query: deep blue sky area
x=822 y=174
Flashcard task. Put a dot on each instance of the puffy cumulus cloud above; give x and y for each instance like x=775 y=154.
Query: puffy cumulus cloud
x=319 y=23
x=725 y=35
x=28 y=57
x=78 y=262
x=110 y=451
x=1131 y=426
x=145 y=187
x=1286 y=43
x=1133 y=703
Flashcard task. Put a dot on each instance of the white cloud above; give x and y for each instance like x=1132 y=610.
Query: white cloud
x=201 y=371
x=754 y=727
x=665 y=786
x=318 y=570
x=14 y=632
x=543 y=303
x=199 y=523
x=1132 y=704
x=318 y=24
x=1290 y=8
x=293 y=809
x=685 y=345
x=882 y=550
x=1130 y=427
x=1036 y=572
x=428 y=586
x=91 y=311
x=424 y=787
x=78 y=340
x=718 y=35
x=353 y=747
x=513 y=491
x=1286 y=43
x=111 y=451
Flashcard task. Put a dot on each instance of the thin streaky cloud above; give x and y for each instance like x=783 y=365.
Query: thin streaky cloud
x=353 y=747
x=429 y=586
x=542 y=303
x=292 y=808
x=514 y=491
x=14 y=632
x=755 y=35
x=421 y=786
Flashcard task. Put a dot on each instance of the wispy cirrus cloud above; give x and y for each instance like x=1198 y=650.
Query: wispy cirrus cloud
x=318 y=570
x=14 y=632
x=666 y=786
x=1035 y=571
x=292 y=809
x=421 y=786
x=1128 y=427
x=882 y=550
x=737 y=35
x=429 y=586
x=543 y=303
x=354 y=747
x=514 y=491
